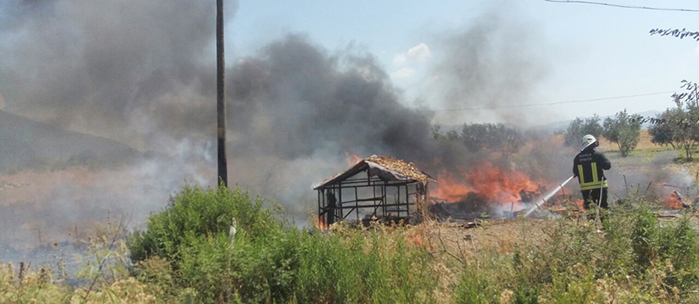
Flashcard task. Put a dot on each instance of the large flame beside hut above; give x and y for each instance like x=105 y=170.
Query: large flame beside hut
x=491 y=184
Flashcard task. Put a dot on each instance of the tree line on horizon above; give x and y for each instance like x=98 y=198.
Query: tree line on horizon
x=677 y=127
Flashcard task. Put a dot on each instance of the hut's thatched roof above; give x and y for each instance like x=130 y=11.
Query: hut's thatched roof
x=385 y=167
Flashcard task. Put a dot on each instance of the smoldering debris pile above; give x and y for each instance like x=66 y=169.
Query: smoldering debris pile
x=477 y=206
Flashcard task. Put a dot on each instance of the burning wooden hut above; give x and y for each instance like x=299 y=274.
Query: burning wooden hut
x=381 y=187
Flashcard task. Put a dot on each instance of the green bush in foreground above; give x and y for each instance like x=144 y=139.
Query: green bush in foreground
x=188 y=247
x=195 y=214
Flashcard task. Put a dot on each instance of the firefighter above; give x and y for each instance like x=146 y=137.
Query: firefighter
x=588 y=166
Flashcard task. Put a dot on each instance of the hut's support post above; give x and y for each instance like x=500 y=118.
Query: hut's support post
x=339 y=200
x=384 y=197
x=325 y=205
x=407 y=203
x=320 y=210
x=321 y=204
x=398 y=200
x=373 y=186
x=356 y=203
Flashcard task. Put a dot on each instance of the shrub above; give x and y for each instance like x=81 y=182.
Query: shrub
x=576 y=285
x=678 y=245
x=192 y=235
x=644 y=236
x=197 y=213
x=267 y=262
x=477 y=286
x=31 y=287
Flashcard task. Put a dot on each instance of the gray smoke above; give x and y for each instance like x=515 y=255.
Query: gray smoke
x=121 y=69
x=134 y=71
x=294 y=99
x=495 y=62
x=142 y=72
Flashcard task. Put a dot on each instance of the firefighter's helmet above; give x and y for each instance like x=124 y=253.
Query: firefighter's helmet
x=587 y=141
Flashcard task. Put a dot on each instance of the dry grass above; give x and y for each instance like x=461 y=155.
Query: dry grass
x=454 y=246
x=645 y=142
x=463 y=244
x=28 y=285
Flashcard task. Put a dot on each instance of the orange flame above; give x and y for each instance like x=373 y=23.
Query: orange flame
x=417 y=240
x=320 y=225
x=494 y=184
x=674 y=201
x=449 y=188
x=352 y=159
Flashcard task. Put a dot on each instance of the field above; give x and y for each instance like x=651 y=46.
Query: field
x=224 y=246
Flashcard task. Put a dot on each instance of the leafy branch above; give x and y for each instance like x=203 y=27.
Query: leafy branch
x=675 y=33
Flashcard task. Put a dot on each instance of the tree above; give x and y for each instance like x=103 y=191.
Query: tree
x=579 y=128
x=476 y=137
x=663 y=132
x=679 y=126
x=509 y=140
x=624 y=130
x=451 y=135
x=494 y=137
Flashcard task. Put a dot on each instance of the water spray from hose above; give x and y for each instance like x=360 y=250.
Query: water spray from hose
x=549 y=195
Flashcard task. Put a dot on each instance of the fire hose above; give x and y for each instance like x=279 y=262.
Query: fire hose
x=548 y=196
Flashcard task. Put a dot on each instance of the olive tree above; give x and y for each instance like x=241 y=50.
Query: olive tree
x=624 y=130
x=679 y=126
x=487 y=136
x=581 y=127
x=494 y=137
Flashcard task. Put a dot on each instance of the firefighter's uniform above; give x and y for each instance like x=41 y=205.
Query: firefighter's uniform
x=589 y=166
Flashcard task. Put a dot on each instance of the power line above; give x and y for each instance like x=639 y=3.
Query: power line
x=626 y=6
x=551 y=103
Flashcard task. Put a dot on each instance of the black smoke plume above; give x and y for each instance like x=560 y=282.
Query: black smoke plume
x=142 y=73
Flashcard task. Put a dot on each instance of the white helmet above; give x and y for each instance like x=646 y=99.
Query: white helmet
x=587 y=141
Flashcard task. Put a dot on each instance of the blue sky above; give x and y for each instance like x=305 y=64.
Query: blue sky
x=587 y=51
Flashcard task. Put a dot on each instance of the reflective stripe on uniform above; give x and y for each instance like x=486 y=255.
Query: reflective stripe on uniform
x=594 y=171
x=595 y=183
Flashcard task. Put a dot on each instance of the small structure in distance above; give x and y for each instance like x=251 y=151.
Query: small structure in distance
x=381 y=187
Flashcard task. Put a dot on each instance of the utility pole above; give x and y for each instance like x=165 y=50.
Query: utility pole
x=220 y=97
